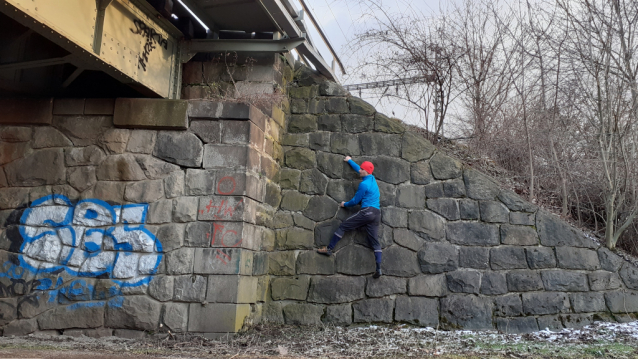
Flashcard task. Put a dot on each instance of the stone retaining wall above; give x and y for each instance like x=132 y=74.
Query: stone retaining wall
x=459 y=252
x=109 y=230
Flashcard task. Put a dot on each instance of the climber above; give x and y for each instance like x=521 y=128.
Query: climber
x=368 y=216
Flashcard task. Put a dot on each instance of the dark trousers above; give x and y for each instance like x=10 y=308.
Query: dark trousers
x=368 y=217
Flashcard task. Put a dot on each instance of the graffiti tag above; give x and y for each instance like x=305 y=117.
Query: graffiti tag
x=152 y=38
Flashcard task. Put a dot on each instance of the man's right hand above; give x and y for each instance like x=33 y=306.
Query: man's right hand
x=348 y=158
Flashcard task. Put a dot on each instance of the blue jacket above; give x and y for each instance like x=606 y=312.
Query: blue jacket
x=367 y=193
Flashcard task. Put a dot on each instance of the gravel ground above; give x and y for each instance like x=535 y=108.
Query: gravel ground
x=609 y=340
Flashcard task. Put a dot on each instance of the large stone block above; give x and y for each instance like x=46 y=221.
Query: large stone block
x=152 y=113
x=407 y=239
x=312 y=262
x=313 y=182
x=444 y=167
x=564 y=281
x=609 y=261
x=395 y=217
x=577 y=321
x=180 y=261
x=494 y=212
x=577 y=258
x=222 y=208
x=390 y=170
x=540 y=257
x=175 y=317
x=516 y=203
x=360 y=107
x=383 y=286
x=428 y=285
x=295 y=238
x=420 y=173
x=303 y=314
x=463 y=311
x=524 y=281
x=336 y=289
x=629 y=275
x=373 y=310
x=507 y=258
x=383 y=123
x=302 y=123
x=300 y=158
x=446 y=207
x=438 y=258
x=50 y=137
x=553 y=232
x=588 y=302
x=83 y=130
x=181 y=148
x=374 y=144
x=330 y=164
x=223 y=261
x=329 y=123
x=355 y=260
x=478 y=186
x=518 y=235
x=602 y=280
x=469 y=209
x=294 y=201
x=400 y=262
x=295 y=288
x=331 y=88
x=80 y=316
x=522 y=218
x=419 y=311
x=42 y=167
x=161 y=288
x=410 y=196
x=189 y=288
x=218 y=156
x=545 y=303
x=336 y=105
x=464 y=281
x=26 y=111
x=136 y=312
x=199 y=182
x=21 y=327
x=622 y=302
x=415 y=147
x=516 y=325
x=427 y=224
x=509 y=305
x=353 y=123
x=282 y=263
x=84 y=156
x=474 y=257
x=549 y=322
x=345 y=144
x=320 y=141
x=338 y=314
x=144 y=191
x=15 y=134
x=473 y=234
x=120 y=168
x=454 y=188
x=217 y=317
x=320 y=208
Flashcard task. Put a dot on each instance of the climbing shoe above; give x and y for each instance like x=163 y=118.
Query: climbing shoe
x=377 y=274
x=325 y=251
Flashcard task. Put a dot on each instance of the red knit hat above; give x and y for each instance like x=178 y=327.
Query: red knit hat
x=367 y=166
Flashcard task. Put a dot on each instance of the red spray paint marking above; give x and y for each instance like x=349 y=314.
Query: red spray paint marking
x=226 y=179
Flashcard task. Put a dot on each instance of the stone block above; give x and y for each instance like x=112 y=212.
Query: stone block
x=516 y=325
x=359 y=106
x=158 y=212
x=13 y=151
x=444 y=167
x=414 y=147
x=609 y=261
x=175 y=317
x=42 y=167
x=330 y=164
x=295 y=288
x=383 y=123
x=540 y=257
x=136 y=312
x=50 y=137
x=302 y=123
x=330 y=88
x=464 y=281
x=553 y=232
x=151 y=113
x=282 y=263
x=171 y=236
x=469 y=312
x=588 y=302
x=474 y=257
x=622 y=302
x=473 y=234
x=296 y=238
x=81 y=178
x=388 y=193
x=577 y=258
x=83 y=130
x=507 y=258
x=428 y=285
x=420 y=173
x=312 y=262
x=524 y=281
x=352 y=123
x=345 y=144
x=550 y=322
x=419 y=311
x=494 y=212
x=522 y=218
x=407 y=239
x=446 y=207
x=120 y=168
x=223 y=261
x=478 y=186
x=454 y=188
x=180 y=261
x=300 y=158
x=68 y=106
x=518 y=235
x=577 y=321
x=355 y=260
x=545 y=303
x=427 y=224
x=141 y=141
x=282 y=220
x=26 y=111
x=84 y=156
x=602 y=280
x=303 y=314
x=181 y=148
x=384 y=286
x=410 y=196
x=272 y=313
x=373 y=310
x=395 y=217
x=144 y=191
x=78 y=316
x=161 y=288
x=399 y=261
x=199 y=182
x=189 y=288
x=217 y=156
x=329 y=123
x=217 y=317
x=629 y=275
x=336 y=105
x=231 y=289
x=564 y=281
x=319 y=141
x=338 y=314
x=15 y=134
x=336 y=289
x=295 y=139
x=373 y=144
x=226 y=208
x=516 y=203
x=469 y=209
x=303 y=222
x=313 y=182
x=390 y=170
x=114 y=140
x=438 y=258
x=509 y=305
x=185 y=209
x=320 y=208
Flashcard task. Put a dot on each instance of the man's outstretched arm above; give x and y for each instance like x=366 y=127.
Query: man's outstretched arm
x=352 y=164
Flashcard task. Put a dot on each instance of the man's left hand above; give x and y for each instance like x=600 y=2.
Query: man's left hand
x=342 y=204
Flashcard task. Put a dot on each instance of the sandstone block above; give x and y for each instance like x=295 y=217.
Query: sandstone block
x=217 y=317
x=410 y=196
x=329 y=123
x=120 y=168
x=295 y=288
x=395 y=217
x=622 y=302
x=181 y=148
x=336 y=105
x=588 y=302
x=550 y=322
x=331 y=88
x=161 y=288
x=374 y=144
x=522 y=218
x=345 y=144
x=303 y=314
x=400 y=262
x=338 y=314
x=554 y=232
x=391 y=170
x=26 y=111
x=312 y=262
x=352 y=123
x=383 y=123
x=175 y=316
x=384 y=286
x=43 y=167
x=564 y=281
x=609 y=261
x=180 y=261
x=223 y=261
x=336 y=289
x=516 y=203
x=189 y=288
x=84 y=156
x=302 y=123
x=407 y=239
x=320 y=208
x=469 y=209
x=282 y=263
x=454 y=188
x=139 y=112
x=78 y=316
x=313 y=182
x=49 y=137
x=144 y=191
x=319 y=141
x=355 y=260
x=300 y=158
x=602 y=280
x=81 y=178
